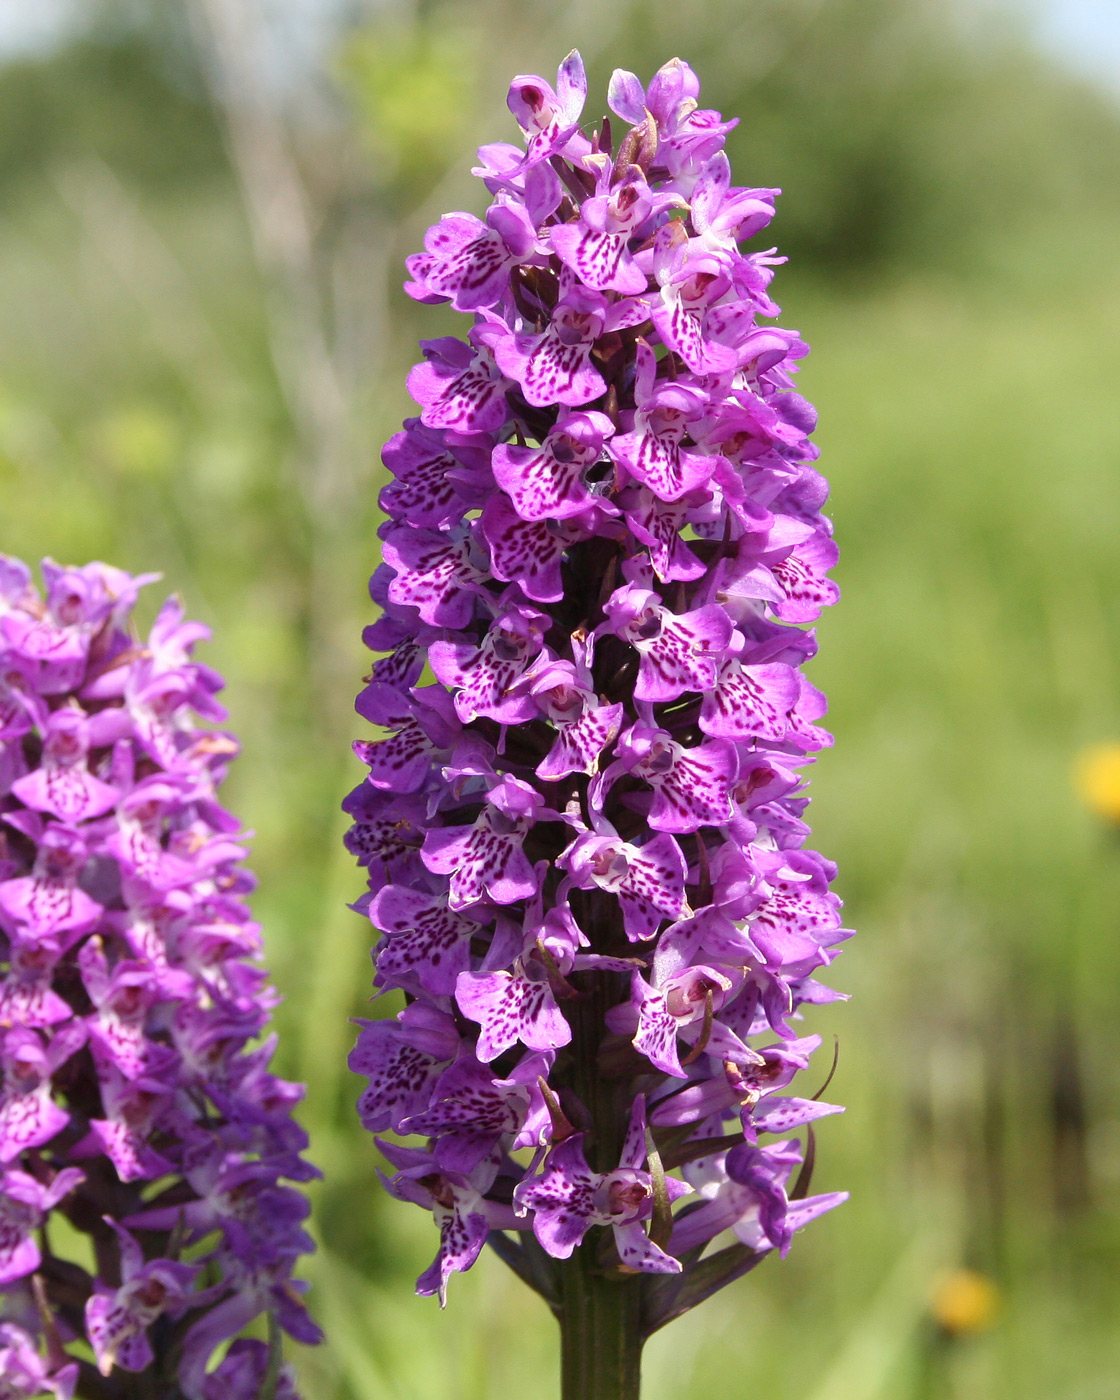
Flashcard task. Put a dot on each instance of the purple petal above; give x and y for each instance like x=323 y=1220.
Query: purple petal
x=626 y=97
x=425 y=939
x=562 y=1198
x=638 y=1251
x=557 y=373
x=750 y=701
x=601 y=260
x=511 y=1008
x=526 y=552
x=580 y=744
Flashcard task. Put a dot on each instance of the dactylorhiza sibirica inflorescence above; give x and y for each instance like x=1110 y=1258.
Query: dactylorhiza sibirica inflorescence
x=584 y=832
x=137 y=1107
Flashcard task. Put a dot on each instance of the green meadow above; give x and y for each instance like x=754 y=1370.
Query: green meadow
x=194 y=380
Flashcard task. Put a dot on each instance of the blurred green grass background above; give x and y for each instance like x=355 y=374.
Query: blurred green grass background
x=202 y=346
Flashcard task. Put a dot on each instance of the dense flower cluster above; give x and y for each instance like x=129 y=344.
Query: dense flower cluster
x=584 y=834
x=136 y=1101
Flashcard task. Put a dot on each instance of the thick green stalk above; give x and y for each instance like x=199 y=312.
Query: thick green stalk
x=600 y=1332
x=600 y=1340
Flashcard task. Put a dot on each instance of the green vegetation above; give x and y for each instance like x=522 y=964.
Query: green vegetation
x=950 y=218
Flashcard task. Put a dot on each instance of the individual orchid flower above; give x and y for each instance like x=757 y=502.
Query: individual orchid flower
x=744 y=1191
x=549 y=482
x=565 y=695
x=550 y=117
x=117 y=1319
x=23 y=1204
x=468 y=262
x=652 y=453
x=596 y=247
x=568 y=1198
x=26 y=1374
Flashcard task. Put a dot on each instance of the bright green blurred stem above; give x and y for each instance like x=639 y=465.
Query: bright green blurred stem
x=600 y=1323
x=600 y=1336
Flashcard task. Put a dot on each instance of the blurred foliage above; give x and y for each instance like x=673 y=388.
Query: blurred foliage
x=950 y=217
x=141 y=108
x=409 y=86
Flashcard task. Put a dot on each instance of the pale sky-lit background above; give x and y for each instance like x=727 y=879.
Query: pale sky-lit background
x=1084 y=33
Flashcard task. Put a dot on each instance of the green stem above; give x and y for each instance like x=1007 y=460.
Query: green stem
x=600 y=1313
x=600 y=1340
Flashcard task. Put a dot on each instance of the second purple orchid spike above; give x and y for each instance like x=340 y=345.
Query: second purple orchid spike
x=137 y=1101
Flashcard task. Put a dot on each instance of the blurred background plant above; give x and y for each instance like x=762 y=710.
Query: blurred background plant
x=206 y=207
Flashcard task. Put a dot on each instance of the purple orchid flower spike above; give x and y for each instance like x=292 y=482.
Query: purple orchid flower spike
x=132 y=1005
x=585 y=841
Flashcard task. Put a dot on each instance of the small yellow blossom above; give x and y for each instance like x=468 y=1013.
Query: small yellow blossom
x=964 y=1302
x=1097 y=779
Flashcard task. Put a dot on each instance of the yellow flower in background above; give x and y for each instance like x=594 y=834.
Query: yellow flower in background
x=964 y=1302
x=1097 y=779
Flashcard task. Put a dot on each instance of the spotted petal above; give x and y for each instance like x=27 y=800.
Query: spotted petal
x=26 y=995
x=658 y=525
x=49 y=906
x=433 y=574
x=467 y=398
x=482 y=862
x=462 y=1233
x=402 y=1060
x=684 y=656
x=801 y=577
x=424 y=940
x=510 y=1008
x=528 y=552
x=423 y=493
x=547 y=482
x=72 y=794
x=638 y=1251
x=580 y=744
x=600 y=260
x=661 y=463
x=28 y=1120
x=749 y=702
x=552 y=372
